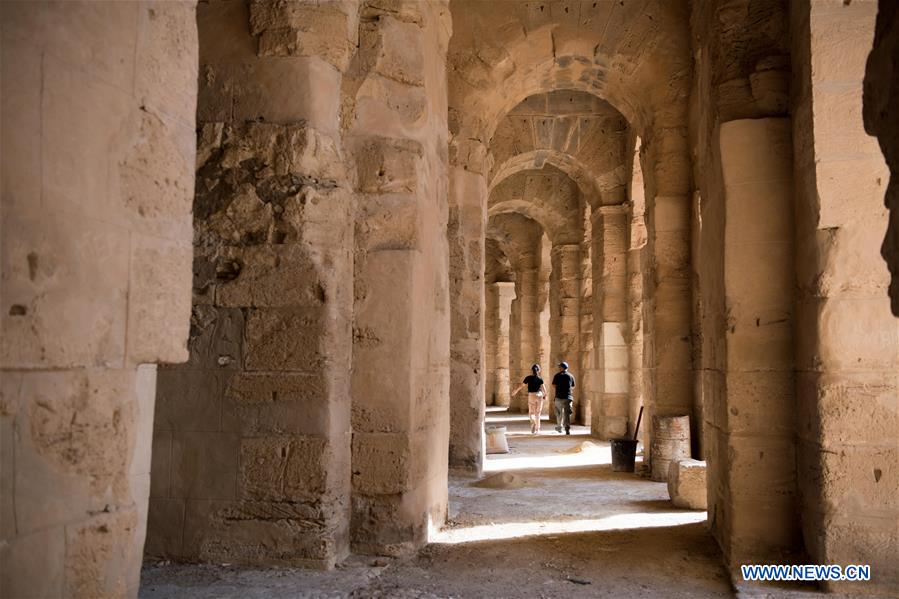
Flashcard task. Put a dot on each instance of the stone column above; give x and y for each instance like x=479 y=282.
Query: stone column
x=588 y=340
x=505 y=293
x=529 y=328
x=397 y=135
x=491 y=318
x=756 y=420
x=565 y=306
x=514 y=347
x=251 y=450
x=465 y=232
x=97 y=155
x=612 y=411
x=667 y=305
x=847 y=381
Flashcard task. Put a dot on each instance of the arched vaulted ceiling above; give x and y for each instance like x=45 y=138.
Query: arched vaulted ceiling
x=548 y=196
x=576 y=132
x=517 y=237
x=497 y=266
x=635 y=54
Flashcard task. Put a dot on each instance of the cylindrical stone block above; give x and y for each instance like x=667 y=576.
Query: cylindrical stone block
x=670 y=442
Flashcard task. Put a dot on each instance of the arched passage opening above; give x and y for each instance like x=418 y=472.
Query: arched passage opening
x=326 y=251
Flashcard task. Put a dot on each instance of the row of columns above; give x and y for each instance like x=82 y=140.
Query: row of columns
x=610 y=411
x=499 y=311
x=515 y=323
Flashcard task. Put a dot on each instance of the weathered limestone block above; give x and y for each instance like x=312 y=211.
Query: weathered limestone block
x=216 y=337
x=283 y=468
x=276 y=90
x=300 y=28
x=76 y=434
x=381 y=464
x=189 y=401
x=293 y=148
x=387 y=105
x=388 y=222
x=284 y=532
x=281 y=403
x=388 y=165
x=56 y=266
x=687 y=484
x=158 y=300
x=272 y=276
x=100 y=555
x=280 y=340
x=389 y=44
x=217 y=477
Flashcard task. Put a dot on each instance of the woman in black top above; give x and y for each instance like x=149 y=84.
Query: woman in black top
x=536 y=393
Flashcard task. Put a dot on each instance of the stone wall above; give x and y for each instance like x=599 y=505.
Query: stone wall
x=293 y=432
x=881 y=117
x=97 y=153
x=612 y=412
x=741 y=72
x=637 y=270
x=755 y=423
x=251 y=445
x=465 y=235
x=848 y=354
x=394 y=114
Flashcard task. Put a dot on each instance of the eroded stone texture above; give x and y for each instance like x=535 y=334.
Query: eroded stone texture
x=882 y=121
x=848 y=355
x=367 y=171
x=503 y=293
x=519 y=238
x=611 y=410
x=96 y=170
x=742 y=72
x=755 y=421
x=687 y=484
x=394 y=124
x=252 y=441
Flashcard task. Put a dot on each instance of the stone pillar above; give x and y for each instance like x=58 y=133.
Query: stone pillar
x=526 y=284
x=515 y=358
x=97 y=156
x=667 y=304
x=612 y=410
x=847 y=380
x=589 y=315
x=505 y=293
x=755 y=423
x=636 y=268
x=397 y=134
x=251 y=452
x=545 y=339
x=466 y=229
x=491 y=319
x=565 y=317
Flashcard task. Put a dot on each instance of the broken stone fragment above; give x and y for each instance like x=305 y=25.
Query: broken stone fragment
x=686 y=484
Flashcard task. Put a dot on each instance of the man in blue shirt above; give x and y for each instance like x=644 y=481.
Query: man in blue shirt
x=564 y=383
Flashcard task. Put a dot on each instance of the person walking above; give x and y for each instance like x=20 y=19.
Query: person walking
x=536 y=393
x=564 y=383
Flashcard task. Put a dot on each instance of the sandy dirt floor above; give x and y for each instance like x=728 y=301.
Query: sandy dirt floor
x=550 y=520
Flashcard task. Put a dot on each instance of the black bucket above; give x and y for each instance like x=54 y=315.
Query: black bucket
x=623 y=453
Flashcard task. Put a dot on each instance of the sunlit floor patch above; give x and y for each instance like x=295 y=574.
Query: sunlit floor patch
x=597 y=456
x=512 y=530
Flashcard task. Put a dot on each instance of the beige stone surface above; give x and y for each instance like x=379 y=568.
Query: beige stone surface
x=390 y=210
x=687 y=484
x=97 y=184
